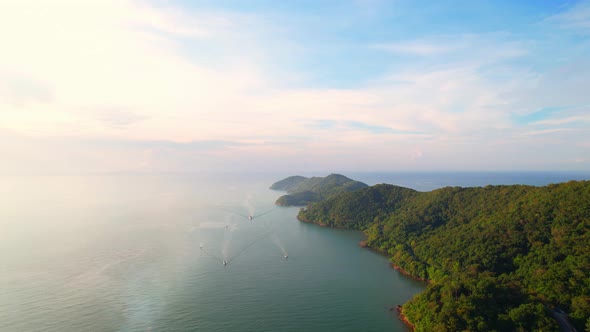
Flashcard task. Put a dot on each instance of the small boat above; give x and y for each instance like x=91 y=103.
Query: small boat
x=250 y=217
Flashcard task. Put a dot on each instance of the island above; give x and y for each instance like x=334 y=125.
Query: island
x=496 y=258
x=302 y=191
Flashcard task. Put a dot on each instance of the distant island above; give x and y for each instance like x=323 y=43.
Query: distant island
x=497 y=258
x=302 y=191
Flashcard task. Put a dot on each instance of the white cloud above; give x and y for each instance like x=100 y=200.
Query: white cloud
x=420 y=48
x=101 y=57
x=114 y=71
x=575 y=17
x=19 y=90
x=477 y=49
x=105 y=54
x=566 y=120
x=546 y=131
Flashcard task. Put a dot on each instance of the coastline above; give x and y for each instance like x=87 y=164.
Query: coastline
x=398 y=308
x=363 y=244
x=407 y=274
x=321 y=224
x=400 y=315
x=391 y=235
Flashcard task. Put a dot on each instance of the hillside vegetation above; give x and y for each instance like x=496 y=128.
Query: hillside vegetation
x=499 y=258
x=303 y=191
x=288 y=184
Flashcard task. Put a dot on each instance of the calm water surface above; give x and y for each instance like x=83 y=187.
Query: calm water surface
x=145 y=253
x=122 y=253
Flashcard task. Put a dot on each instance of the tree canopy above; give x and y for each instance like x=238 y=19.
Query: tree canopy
x=303 y=191
x=498 y=257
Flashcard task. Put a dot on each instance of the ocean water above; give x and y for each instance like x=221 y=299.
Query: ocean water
x=146 y=252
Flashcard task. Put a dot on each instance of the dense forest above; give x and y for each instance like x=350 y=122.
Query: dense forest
x=302 y=191
x=498 y=258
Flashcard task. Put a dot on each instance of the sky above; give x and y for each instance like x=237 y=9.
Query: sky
x=111 y=86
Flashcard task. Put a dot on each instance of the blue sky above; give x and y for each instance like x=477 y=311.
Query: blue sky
x=358 y=85
x=339 y=41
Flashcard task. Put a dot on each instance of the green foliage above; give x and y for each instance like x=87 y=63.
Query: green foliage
x=288 y=184
x=498 y=256
x=298 y=199
x=303 y=191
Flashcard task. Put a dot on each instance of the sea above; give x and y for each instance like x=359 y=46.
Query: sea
x=178 y=252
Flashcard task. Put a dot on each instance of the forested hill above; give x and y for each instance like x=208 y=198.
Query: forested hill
x=288 y=184
x=498 y=257
x=303 y=191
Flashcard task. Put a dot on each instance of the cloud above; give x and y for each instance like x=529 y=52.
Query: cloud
x=24 y=154
x=113 y=52
x=173 y=88
x=575 y=17
x=417 y=154
x=116 y=117
x=118 y=53
x=483 y=48
x=545 y=131
x=420 y=48
x=19 y=90
x=567 y=120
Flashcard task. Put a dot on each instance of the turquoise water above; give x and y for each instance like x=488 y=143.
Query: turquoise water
x=123 y=253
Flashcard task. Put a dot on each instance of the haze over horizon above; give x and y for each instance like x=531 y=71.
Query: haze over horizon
x=357 y=85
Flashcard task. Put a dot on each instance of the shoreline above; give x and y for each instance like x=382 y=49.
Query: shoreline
x=407 y=274
x=382 y=214
x=399 y=307
x=363 y=244
x=403 y=318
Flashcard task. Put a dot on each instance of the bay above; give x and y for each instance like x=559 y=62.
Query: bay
x=146 y=252
x=123 y=253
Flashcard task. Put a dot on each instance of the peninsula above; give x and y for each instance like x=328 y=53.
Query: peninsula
x=302 y=191
x=498 y=258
